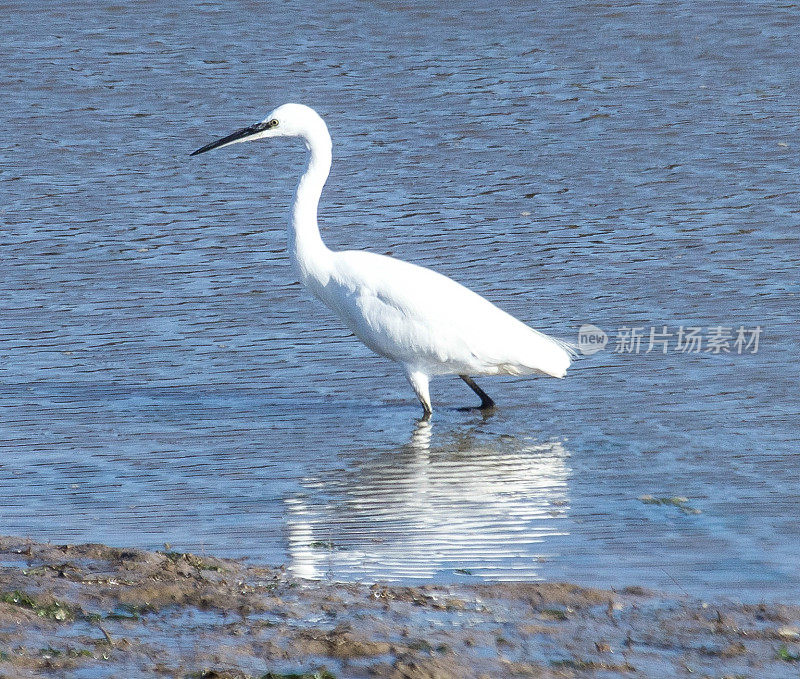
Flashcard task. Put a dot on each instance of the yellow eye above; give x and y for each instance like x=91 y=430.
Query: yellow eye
x=273 y=122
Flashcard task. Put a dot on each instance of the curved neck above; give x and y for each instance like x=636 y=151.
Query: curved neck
x=306 y=248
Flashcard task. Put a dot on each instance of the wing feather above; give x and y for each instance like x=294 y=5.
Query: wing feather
x=419 y=317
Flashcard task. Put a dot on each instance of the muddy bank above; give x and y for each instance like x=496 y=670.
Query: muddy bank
x=97 y=611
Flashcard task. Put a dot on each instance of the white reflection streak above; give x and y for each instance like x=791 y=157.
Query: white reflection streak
x=484 y=506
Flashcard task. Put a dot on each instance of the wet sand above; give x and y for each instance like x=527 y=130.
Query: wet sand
x=98 y=611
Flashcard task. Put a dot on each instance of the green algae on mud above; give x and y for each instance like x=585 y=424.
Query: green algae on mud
x=110 y=612
x=786 y=655
x=55 y=610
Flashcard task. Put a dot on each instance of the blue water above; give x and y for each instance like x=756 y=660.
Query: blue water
x=163 y=378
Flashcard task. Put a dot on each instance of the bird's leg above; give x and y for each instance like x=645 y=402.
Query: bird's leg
x=486 y=401
x=419 y=383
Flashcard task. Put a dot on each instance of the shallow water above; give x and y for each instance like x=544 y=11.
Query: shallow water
x=165 y=379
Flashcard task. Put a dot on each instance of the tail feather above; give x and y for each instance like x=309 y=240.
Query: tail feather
x=551 y=356
x=570 y=347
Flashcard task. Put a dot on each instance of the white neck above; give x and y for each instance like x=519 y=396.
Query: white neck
x=306 y=249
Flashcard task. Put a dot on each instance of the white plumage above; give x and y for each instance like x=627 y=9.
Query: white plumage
x=425 y=321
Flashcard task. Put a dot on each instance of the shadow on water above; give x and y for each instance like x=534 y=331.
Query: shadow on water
x=470 y=506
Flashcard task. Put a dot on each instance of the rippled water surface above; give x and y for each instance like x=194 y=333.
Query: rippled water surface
x=163 y=378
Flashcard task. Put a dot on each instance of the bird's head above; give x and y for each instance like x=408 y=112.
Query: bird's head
x=288 y=120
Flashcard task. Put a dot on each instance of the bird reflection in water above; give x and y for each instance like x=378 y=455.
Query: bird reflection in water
x=475 y=505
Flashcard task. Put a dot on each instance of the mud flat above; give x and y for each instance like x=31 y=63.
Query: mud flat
x=95 y=611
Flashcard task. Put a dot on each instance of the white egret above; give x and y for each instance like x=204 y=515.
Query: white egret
x=424 y=321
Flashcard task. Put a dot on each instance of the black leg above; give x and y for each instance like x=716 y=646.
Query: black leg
x=486 y=402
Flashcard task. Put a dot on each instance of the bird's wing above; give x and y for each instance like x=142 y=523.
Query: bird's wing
x=417 y=316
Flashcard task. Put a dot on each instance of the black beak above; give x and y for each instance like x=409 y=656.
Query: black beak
x=239 y=135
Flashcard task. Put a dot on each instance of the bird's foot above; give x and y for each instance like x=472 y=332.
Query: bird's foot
x=485 y=411
x=486 y=401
